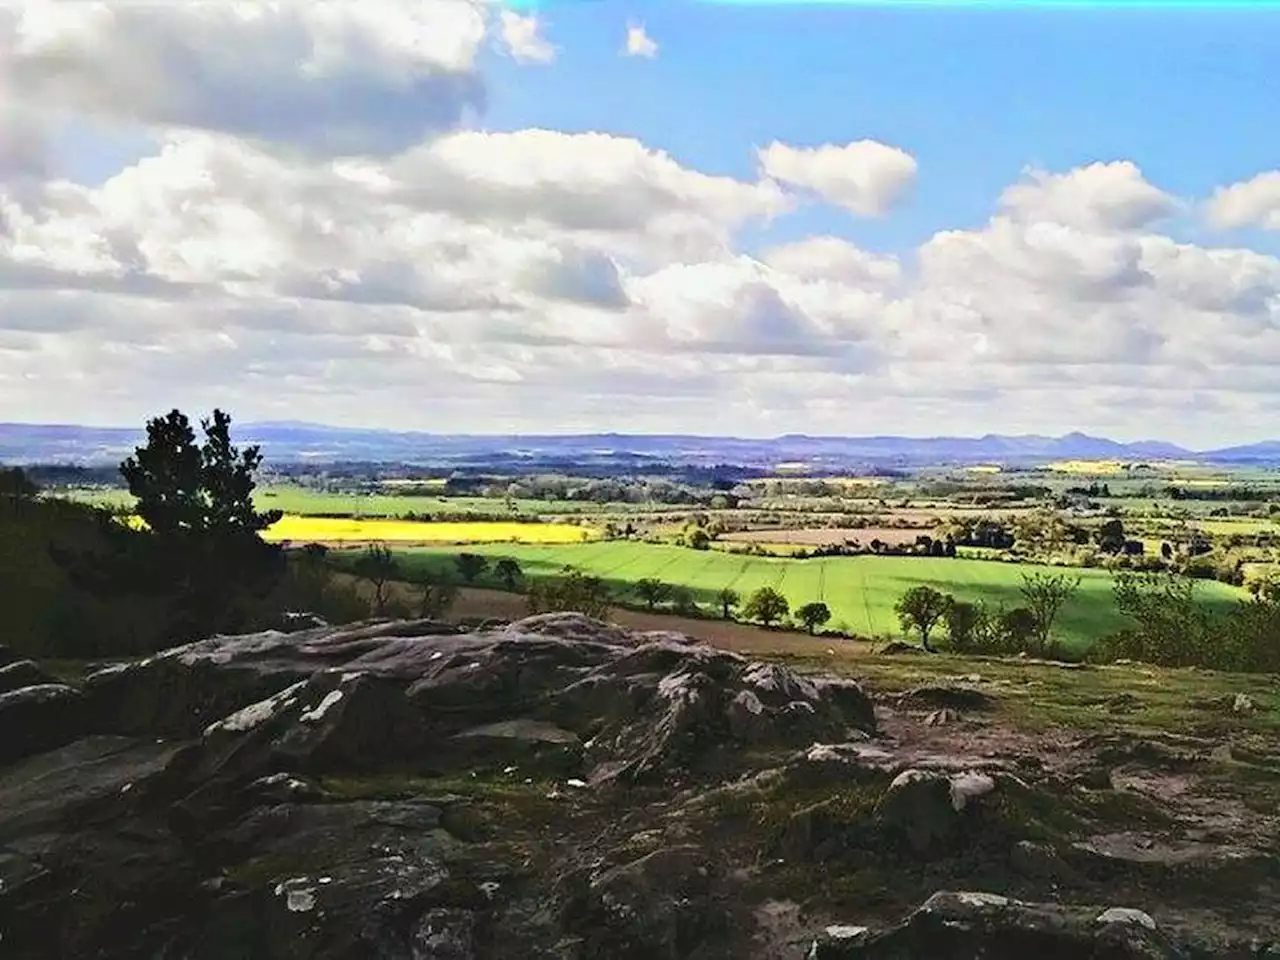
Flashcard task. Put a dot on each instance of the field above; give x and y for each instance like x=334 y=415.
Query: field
x=307 y=502
x=860 y=591
x=332 y=530
x=824 y=536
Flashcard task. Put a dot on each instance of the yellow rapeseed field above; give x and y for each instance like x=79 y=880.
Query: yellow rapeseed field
x=1088 y=466
x=333 y=530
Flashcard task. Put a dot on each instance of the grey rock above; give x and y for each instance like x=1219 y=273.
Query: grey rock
x=963 y=925
x=957 y=697
x=927 y=808
x=38 y=718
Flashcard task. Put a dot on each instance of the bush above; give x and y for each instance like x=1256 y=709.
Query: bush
x=572 y=592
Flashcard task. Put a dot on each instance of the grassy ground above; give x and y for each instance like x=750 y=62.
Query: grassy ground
x=861 y=591
x=302 y=501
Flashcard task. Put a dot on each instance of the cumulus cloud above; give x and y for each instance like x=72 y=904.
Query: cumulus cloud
x=336 y=78
x=23 y=147
x=867 y=178
x=342 y=243
x=639 y=43
x=523 y=40
x=1102 y=196
x=1251 y=203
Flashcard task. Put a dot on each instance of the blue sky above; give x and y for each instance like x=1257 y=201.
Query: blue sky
x=975 y=94
x=994 y=218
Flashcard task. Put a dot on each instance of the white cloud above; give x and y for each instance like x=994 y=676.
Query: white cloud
x=1251 y=203
x=1104 y=196
x=865 y=177
x=523 y=40
x=23 y=149
x=639 y=43
x=336 y=77
x=536 y=279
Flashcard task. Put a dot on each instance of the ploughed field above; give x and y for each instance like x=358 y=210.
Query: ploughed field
x=860 y=591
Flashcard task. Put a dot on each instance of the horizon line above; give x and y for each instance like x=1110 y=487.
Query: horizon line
x=301 y=424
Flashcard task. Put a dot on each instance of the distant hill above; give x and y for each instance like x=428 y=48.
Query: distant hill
x=293 y=442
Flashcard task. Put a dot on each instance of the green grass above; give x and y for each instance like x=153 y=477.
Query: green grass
x=861 y=591
x=305 y=502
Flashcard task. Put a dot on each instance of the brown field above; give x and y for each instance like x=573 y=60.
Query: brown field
x=822 y=536
x=474 y=602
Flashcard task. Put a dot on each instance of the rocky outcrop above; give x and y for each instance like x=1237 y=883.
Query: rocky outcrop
x=961 y=926
x=219 y=798
x=38 y=718
x=561 y=789
x=22 y=673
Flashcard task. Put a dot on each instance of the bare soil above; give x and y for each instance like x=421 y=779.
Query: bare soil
x=476 y=603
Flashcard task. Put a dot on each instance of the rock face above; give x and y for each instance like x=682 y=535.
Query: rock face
x=961 y=926
x=560 y=789
x=206 y=809
x=38 y=718
x=22 y=673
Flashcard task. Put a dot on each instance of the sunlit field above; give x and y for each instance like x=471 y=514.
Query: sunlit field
x=302 y=501
x=861 y=591
x=342 y=530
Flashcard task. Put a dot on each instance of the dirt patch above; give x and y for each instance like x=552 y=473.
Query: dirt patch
x=477 y=603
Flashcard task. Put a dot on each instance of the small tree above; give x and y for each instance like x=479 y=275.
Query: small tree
x=14 y=482
x=574 y=592
x=683 y=600
x=813 y=615
x=728 y=599
x=378 y=565
x=1111 y=536
x=470 y=566
x=965 y=622
x=1045 y=594
x=766 y=605
x=508 y=571
x=920 y=608
x=651 y=591
x=1017 y=628
x=16 y=489
x=699 y=539
x=184 y=488
x=201 y=544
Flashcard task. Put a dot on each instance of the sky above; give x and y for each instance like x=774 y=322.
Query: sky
x=758 y=219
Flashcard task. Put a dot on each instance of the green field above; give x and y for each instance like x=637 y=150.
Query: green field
x=304 y=502
x=861 y=591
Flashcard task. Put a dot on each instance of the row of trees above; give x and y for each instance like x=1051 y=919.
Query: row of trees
x=981 y=628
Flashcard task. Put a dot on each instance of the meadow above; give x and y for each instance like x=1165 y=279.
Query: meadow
x=860 y=591
x=303 y=501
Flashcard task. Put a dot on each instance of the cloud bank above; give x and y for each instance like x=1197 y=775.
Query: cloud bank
x=324 y=232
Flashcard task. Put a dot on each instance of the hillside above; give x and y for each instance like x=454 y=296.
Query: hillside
x=33 y=443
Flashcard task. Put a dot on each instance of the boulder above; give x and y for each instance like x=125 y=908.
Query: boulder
x=656 y=906
x=22 y=673
x=926 y=809
x=961 y=926
x=38 y=718
x=956 y=697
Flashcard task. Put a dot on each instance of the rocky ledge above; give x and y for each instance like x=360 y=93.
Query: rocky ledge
x=559 y=788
